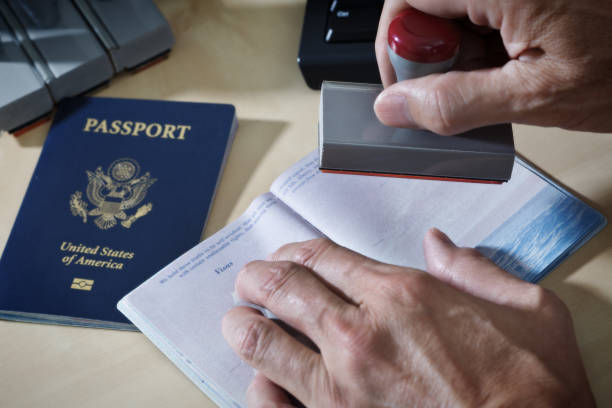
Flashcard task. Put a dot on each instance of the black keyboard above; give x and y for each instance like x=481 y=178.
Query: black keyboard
x=352 y=20
x=338 y=41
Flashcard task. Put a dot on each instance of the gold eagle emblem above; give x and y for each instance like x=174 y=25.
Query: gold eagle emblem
x=113 y=192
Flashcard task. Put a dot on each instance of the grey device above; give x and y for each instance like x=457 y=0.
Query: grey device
x=133 y=32
x=352 y=140
x=23 y=96
x=60 y=44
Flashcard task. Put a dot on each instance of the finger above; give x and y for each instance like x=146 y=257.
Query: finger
x=295 y=295
x=263 y=393
x=480 y=51
x=480 y=12
x=486 y=14
x=468 y=270
x=346 y=271
x=454 y=102
x=269 y=349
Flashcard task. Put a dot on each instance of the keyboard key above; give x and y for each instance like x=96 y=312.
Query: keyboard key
x=355 y=4
x=353 y=20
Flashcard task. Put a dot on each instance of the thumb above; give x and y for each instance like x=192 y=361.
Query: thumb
x=453 y=102
x=468 y=270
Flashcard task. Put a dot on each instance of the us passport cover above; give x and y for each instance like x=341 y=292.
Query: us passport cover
x=122 y=187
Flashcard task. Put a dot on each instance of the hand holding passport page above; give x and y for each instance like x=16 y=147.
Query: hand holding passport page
x=107 y=234
x=526 y=226
x=124 y=186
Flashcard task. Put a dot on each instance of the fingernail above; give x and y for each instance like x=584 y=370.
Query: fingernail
x=442 y=237
x=438 y=249
x=391 y=108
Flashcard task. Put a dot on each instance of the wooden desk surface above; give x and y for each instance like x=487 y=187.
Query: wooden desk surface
x=244 y=53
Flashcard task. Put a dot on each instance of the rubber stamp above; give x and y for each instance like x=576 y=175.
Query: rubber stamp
x=353 y=141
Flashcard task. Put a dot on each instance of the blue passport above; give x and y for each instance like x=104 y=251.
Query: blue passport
x=122 y=187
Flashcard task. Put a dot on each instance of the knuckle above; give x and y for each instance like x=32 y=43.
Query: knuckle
x=410 y=288
x=278 y=282
x=542 y=92
x=440 y=119
x=547 y=303
x=247 y=268
x=254 y=341
x=250 y=265
x=358 y=343
x=281 y=252
x=242 y=276
x=308 y=252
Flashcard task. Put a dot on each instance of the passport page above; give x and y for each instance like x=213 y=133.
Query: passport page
x=526 y=226
x=181 y=307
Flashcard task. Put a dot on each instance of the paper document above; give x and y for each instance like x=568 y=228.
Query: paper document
x=526 y=226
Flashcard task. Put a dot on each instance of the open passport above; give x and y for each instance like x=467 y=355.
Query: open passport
x=526 y=226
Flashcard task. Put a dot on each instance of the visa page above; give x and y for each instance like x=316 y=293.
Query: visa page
x=181 y=307
x=526 y=226
x=386 y=218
